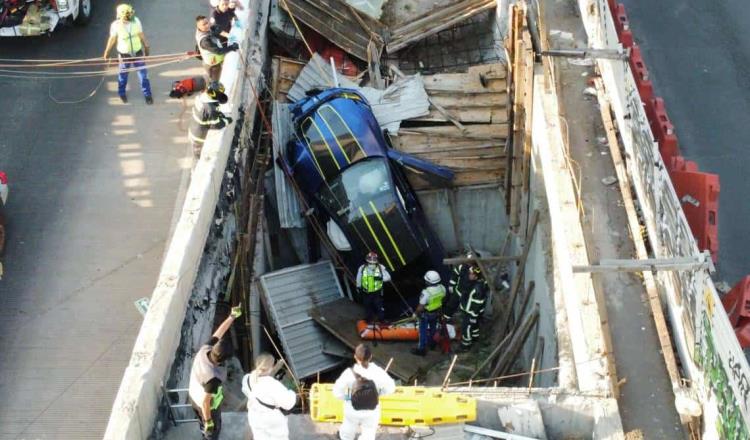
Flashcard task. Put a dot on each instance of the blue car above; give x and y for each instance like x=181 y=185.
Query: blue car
x=342 y=162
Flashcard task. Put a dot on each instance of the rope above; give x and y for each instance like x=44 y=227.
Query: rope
x=87 y=73
x=78 y=101
x=76 y=60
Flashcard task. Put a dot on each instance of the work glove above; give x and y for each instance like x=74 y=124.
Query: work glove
x=233 y=46
x=209 y=426
x=236 y=312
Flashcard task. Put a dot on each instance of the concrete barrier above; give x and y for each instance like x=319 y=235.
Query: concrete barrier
x=710 y=355
x=136 y=405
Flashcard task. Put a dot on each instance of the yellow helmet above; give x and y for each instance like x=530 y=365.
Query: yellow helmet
x=125 y=11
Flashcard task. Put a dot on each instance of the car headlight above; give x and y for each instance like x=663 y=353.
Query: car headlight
x=62 y=5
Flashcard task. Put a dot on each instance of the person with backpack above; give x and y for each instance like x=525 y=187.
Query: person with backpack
x=266 y=398
x=360 y=387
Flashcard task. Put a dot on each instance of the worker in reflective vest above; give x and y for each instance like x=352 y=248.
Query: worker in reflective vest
x=472 y=293
x=132 y=46
x=370 y=279
x=210 y=47
x=207 y=376
x=428 y=311
x=207 y=116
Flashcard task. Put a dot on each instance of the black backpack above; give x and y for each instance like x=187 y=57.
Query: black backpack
x=364 y=393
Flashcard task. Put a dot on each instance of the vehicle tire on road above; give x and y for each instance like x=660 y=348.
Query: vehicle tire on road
x=84 y=13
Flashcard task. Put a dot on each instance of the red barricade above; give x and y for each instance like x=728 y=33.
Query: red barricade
x=699 y=196
x=663 y=129
x=737 y=305
x=640 y=73
x=621 y=19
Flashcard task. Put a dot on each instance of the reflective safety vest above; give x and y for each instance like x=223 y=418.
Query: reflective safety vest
x=209 y=57
x=128 y=36
x=435 y=295
x=372 y=278
x=203 y=371
x=206 y=116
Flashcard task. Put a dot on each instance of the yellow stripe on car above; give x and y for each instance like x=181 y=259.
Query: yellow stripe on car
x=388 y=232
x=372 y=231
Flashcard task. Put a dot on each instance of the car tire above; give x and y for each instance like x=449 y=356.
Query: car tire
x=84 y=12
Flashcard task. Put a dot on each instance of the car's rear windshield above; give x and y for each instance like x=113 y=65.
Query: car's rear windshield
x=364 y=200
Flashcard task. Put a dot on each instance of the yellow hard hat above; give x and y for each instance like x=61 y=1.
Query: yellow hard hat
x=125 y=11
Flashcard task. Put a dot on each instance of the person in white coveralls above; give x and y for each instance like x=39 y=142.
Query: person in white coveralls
x=360 y=388
x=266 y=397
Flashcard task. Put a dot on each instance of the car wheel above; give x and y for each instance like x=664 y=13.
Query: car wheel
x=84 y=12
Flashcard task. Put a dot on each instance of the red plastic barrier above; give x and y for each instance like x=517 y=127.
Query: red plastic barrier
x=621 y=18
x=678 y=163
x=626 y=38
x=640 y=73
x=737 y=305
x=699 y=195
x=663 y=129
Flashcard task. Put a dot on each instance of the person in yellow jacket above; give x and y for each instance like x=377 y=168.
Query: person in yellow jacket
x=127 y=34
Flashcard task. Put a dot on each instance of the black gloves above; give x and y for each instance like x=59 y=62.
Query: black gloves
x=233 y=46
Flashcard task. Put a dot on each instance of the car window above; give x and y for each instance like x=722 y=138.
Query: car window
x=344 y=137
x=319 y=148
x=364 y=200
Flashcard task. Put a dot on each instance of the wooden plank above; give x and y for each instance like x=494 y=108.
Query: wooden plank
x=285 y=72
x=340 y=319
x=418 y=145
x=334 y=20
x=657 y=311
x=479 y=131
x=433 y=26
x=471 y=100
x=462 y=178
x=484 y=116
x=470 y=82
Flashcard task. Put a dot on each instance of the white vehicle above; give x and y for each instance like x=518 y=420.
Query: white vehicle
x=24 y=18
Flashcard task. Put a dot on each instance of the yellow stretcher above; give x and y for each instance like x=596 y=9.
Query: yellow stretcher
x=408 y=406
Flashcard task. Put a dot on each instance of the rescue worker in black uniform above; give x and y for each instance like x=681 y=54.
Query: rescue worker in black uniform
x=207 y=116
x=471 y=290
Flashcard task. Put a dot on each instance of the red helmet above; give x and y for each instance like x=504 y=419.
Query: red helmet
x=372 y=257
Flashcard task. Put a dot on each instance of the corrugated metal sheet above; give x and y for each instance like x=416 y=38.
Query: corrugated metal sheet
x=289 y=294
x=479 y=212
x=287 y=203
x=404 y=99
x=316 y=75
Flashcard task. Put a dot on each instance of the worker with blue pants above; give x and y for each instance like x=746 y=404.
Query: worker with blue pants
x=428 y=311
x=127 y=33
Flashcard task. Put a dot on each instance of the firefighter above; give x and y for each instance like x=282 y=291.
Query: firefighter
x=429 y=311
x=132 y=46
x=207 y=116
x=370 y=279
x=471 y=290
x=207 y=376
x=210 y=47
x=452 y=300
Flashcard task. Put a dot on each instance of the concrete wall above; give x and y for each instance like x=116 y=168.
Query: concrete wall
x=703 y=337
x=564 y=414
x=136 y=405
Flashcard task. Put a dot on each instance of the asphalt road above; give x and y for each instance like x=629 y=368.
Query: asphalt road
x=698 y=56
x=93 y=188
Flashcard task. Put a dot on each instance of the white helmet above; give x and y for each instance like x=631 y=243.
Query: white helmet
x=432 y=277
